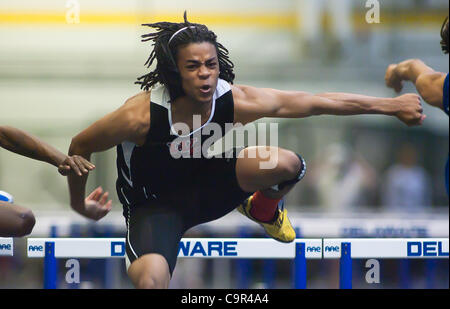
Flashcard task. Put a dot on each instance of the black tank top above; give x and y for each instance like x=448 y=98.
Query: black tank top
x=150 y=171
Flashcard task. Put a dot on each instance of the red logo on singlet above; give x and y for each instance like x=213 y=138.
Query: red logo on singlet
x=185 y=146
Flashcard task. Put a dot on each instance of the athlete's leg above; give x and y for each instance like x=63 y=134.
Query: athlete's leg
x=15 y=221
x=153 y=236
x=150 y=271
x=270 y=184
x=271 y=178
x=256 y=172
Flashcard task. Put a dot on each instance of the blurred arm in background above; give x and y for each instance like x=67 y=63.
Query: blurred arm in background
x=32 y=147
x=432 y=85
x=428 y=82
x=18 y=221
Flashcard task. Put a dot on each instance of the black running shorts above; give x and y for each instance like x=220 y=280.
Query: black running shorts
x=157 y=226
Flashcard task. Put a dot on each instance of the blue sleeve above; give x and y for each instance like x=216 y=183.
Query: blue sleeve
x=445 y=99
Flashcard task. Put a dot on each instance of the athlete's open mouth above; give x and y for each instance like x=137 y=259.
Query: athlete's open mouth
x=205 y=89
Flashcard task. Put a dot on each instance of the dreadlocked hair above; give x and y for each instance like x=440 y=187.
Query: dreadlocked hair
x=165 y=54
x=444 y=36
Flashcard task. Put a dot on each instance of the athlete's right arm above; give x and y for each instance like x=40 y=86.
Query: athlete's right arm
x=128 y=123
x=429 y=83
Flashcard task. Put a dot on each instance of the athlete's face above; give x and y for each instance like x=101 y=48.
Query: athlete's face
x=199 y=69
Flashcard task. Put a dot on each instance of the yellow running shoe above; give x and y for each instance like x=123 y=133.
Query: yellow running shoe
x=280 y=229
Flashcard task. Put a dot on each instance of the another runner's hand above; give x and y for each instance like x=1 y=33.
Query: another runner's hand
x=392 y=79
x=77 y=164
x=97 y=205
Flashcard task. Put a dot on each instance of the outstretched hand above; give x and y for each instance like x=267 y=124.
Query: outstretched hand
x=97 y=205
x=76 y=164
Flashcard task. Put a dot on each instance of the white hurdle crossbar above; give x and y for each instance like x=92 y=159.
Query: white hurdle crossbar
x=250 y=248
x=300 y=250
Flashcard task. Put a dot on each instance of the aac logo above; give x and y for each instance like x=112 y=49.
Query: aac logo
x=331 y=248
x=425 y=248
x=313 y=249
x=36 y=248
x=6 y=247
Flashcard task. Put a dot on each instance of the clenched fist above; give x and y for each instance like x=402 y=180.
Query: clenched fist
x=410 y=109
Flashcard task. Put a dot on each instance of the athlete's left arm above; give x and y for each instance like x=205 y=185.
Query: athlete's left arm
x=429 y=83
x=254 y=103
x=27 y=145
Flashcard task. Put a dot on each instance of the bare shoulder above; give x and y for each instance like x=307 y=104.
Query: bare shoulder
x=251 y=93
x=138 y=101
x=243 y=94
x=250 y=103
x=137 y=111
x=241 y=91
x=236 y=91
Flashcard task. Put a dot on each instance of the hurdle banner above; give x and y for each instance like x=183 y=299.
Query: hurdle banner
x=393 y=248
x=347 y=249
x=249 y=248
x=6 y=247
x=299 y=251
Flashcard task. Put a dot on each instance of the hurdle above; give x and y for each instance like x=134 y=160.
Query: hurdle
x=299 y=251
x=52 y=249
x=6 y=247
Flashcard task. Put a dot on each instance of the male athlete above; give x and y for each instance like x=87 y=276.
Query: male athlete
x=431 y=85
x=17 y=221
x=164 y=196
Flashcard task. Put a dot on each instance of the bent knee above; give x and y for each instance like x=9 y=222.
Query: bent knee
x=289 y=164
